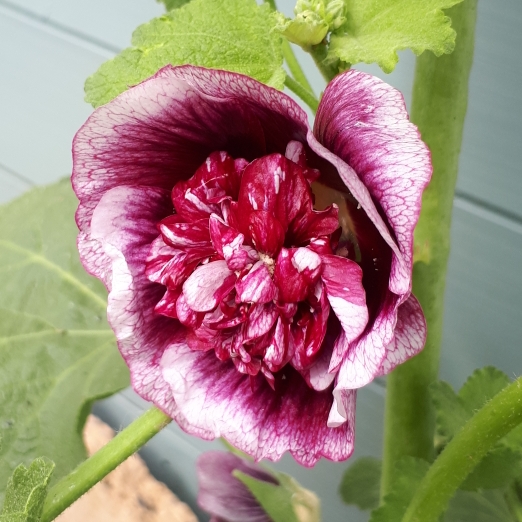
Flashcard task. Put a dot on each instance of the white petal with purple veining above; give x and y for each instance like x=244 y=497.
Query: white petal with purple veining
x=202 y=286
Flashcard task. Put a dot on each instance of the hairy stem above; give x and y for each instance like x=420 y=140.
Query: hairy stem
x=305 y=95
x=318 y=53
x=295 y=66
x=439 y=105
x=291 y=60
x=91 y=471
x=478 y=436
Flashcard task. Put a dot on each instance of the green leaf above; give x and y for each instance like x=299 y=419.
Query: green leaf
x=173 y=4
x=376 y=29
x=454 y=410
x=360 y=484
x=408 y=474
x=496 y=470
x=57 y=352
x=501 y=465
x=236 y=35
x=481 y=387
x=486 y=506
x=26 y=490
x=451 y=414
x=274 y=499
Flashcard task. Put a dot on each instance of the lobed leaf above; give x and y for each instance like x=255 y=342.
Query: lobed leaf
x=503 y=464
x=409 y=472
x=26 y=491
x=376 y=29
x=57 y=352
x=360 y=485
x=236 y=35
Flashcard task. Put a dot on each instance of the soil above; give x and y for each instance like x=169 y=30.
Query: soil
x=128 y=494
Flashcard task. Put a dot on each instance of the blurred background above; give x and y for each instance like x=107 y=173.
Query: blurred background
x=49 y=47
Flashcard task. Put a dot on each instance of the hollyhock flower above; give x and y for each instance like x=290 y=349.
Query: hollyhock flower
x=258 y=272
x=227 y=499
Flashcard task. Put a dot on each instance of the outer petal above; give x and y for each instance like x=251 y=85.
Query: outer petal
x=410 y=335
x=363 y=121
x=263 y=423
x=225 y=496
x=124 y=224
x=162 y=130
x=362 y=128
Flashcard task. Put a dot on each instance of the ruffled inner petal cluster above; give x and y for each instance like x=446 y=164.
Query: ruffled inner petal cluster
x=250 y=268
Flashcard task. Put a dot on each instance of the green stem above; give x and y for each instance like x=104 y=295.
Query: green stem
x=439 y=107
x=294 y=66
x=91 y=471
x=478 y=436
x=305 y=95
x=291 y=60
x=318 y=53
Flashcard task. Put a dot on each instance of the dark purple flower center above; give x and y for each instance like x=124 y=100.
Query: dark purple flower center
x=242 y=259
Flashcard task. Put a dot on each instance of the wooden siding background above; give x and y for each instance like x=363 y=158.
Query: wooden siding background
x=49 y=47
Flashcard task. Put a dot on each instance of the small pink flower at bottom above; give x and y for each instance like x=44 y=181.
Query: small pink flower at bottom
x=228 y=499
x=258 y=272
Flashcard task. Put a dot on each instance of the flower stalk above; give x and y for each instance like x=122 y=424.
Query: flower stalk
x=91 y=471
x=478 y=436
x=439 y=107
x=303 y=93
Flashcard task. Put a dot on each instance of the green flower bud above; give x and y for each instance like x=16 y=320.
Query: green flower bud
x=313 y=20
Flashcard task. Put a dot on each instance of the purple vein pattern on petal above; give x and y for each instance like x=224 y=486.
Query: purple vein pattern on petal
x=263 y=424
x=363 y=129
x=123 y=223
x=242 y=311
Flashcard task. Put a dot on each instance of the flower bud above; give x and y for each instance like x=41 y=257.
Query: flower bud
x=313 y=20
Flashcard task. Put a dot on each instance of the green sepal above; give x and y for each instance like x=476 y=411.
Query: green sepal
x=375 y=31
x=274 y=499
x=26 y=491
x=287 y=501
x=360 y=485
x=237 y=35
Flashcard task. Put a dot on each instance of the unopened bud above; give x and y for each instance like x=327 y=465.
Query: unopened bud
x=313 y=20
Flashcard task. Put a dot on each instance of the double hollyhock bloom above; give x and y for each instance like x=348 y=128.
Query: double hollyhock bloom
x=258 y=272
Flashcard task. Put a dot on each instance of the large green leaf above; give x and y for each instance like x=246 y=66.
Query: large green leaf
x=376 y=29
x=57 y=352
x=26 y=491
x=236 y=35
